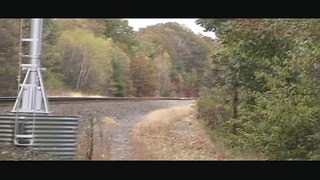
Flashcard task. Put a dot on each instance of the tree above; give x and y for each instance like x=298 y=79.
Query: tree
x=163 y=65
x=87 y=63
x=121 y=67
x=187 y=52
x=121 y=33
x=267 y=68
x=9 y=59
x=143 y=76
x=51 y=55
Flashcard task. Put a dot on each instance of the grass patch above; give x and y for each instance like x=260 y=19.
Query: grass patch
x=150 y=136
x=156 y=122
x=172 y=134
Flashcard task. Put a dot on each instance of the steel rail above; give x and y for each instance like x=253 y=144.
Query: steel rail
x=103 y=98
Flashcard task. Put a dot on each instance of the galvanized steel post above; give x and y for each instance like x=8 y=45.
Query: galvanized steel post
x=32 y=97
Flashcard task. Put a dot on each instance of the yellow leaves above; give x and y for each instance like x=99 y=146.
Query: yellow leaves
x=91 y=53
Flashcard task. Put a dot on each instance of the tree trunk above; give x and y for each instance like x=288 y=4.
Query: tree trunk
x=235 y=102
x=86 y=77
x=81 y=69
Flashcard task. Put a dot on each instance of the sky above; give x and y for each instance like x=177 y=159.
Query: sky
x=190 y=23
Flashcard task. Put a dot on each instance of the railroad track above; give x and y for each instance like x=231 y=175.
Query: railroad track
x=98 y=98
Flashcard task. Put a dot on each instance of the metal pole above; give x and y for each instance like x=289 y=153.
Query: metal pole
x=32 y=95
x=34 y=59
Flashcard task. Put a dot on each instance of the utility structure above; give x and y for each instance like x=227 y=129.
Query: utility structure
x=32 y=96
x=30 y=123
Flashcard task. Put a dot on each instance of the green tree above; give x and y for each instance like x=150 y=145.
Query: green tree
x=121 y=67
x=121 y=33
x=86 y=63
x=9 y=59
x=51 y=55
x=266 y=69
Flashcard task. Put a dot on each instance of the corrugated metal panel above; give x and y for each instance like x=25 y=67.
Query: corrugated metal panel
x=55 y=135
x=6 y=130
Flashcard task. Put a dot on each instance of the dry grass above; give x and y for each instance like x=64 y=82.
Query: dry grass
x=158 y=121
x=172 y=134
x=100 y=149
x=108 y=122
x=149 y=134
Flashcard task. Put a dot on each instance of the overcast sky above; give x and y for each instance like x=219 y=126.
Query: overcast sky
x=190 y=23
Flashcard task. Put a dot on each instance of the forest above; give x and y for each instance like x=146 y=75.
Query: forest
x=256 y=85
x=106 y=57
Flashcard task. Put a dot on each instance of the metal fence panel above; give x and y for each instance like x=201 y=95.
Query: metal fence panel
x=56 y=135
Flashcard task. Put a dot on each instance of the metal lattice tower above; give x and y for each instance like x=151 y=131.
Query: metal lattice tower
x=32 y=97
